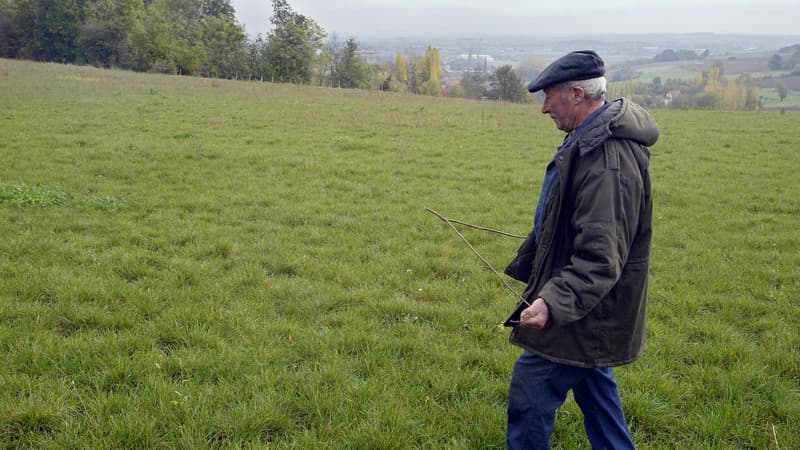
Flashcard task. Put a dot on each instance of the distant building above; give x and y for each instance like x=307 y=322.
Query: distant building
x=670 y=96
x=481 y=58
x=470 y=63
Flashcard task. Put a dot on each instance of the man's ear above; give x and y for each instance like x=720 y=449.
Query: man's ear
x=576 y=94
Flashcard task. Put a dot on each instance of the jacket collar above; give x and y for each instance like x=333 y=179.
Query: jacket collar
x=597 y=129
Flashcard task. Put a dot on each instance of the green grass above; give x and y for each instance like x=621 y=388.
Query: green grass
x=772 y=100
x=193 y=263
x=677 y=70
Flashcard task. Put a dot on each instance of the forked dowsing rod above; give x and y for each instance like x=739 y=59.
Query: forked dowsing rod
x=450 y=222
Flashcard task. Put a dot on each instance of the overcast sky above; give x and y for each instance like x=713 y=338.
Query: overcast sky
x=464 y=18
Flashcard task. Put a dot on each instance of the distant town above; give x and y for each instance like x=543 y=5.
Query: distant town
x=663 y=68
x=491 y=52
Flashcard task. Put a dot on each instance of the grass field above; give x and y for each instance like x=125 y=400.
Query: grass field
x=676 y=70
x=194 y=263
x=772 y=100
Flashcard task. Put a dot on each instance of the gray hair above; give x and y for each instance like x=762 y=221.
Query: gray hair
x=594 y=88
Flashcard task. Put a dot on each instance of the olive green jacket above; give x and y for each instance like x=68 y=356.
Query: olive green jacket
x=591 y=265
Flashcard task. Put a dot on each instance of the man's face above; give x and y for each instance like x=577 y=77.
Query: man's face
x=559 y=104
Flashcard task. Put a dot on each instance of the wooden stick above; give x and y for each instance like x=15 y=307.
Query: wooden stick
x=775 y=435
x=503 y=233
x=450 y=222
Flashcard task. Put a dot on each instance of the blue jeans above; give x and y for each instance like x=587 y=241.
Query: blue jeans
x=539 y=387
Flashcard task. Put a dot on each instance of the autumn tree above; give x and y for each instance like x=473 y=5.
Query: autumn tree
x=753 y=102
x=716 y=91
x=621 y=89
x=430 y=73
x=398 y=80
x=456 y=91
x=380 y=77
x=734 y=95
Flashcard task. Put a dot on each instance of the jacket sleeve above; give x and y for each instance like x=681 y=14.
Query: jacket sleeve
x=604 y=221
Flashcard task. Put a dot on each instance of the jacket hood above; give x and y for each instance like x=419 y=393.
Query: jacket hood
x=634 y=123
x=623 y=119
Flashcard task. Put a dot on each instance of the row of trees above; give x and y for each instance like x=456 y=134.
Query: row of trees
x=679 y=55
x=193 y=37
x=418 y=75
x=196 y=37
x=504 y=84
x=423 y=75
x=202 y=37
x=180 y=36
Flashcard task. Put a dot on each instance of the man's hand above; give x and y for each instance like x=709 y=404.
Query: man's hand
x=536 y=315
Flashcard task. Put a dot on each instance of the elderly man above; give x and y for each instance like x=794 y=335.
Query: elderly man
x=585 y=262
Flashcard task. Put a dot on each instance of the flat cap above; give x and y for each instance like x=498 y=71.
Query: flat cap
x=575 y=66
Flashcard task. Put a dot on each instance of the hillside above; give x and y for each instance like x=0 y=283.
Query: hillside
x=755 y=67
x=198 y=263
